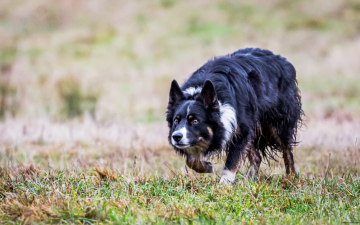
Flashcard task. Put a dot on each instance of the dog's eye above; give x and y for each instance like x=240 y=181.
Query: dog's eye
x=195 y=121
x=176 y=121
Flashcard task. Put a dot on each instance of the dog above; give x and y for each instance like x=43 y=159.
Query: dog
x=246 y=104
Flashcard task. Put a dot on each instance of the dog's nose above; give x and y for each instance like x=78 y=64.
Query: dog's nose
x=177 y=137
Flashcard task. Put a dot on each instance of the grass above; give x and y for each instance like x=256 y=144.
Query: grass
x=99 y=196
x=135 y=177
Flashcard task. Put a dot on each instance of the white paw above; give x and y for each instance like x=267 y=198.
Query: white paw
x=227 y=178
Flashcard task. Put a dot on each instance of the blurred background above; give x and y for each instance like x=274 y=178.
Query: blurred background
x=86 y=82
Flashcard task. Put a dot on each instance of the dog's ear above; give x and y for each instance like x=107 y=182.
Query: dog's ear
x=208 y=96
x=175 y=93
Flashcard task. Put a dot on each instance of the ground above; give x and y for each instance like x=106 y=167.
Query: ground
x=83 y=93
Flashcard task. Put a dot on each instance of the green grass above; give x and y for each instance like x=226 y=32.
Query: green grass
x=102 y=197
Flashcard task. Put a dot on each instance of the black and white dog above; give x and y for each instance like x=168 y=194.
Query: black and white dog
x=245 y=103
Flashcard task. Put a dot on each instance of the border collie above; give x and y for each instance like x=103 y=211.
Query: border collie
x=246 y=104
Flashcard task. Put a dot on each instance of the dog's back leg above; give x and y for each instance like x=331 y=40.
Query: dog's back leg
x=255 y=161
x=283 y=142
x=289 y=160
x=284 y=139
x=280 y=139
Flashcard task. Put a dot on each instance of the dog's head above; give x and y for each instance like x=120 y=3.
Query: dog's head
x=193 y=120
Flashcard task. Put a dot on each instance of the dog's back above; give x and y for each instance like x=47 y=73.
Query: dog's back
x=255 y=77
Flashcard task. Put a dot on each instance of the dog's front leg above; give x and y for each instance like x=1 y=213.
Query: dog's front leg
x=198 y=165
x=233 y=162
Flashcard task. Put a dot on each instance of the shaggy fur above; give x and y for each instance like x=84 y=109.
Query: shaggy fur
x=247 y=98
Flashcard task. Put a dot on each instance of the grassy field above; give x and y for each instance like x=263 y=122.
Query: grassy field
x=100 y=196
x=83 y=93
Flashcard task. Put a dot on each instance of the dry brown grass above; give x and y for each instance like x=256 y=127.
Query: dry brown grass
x=128 y=149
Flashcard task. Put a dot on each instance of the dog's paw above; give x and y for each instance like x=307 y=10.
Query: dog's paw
x=225 y=182
x=227 y=179
x=199 y=166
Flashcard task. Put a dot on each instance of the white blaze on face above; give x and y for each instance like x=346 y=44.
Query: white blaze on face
x=188 y=108
x=184 y=140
